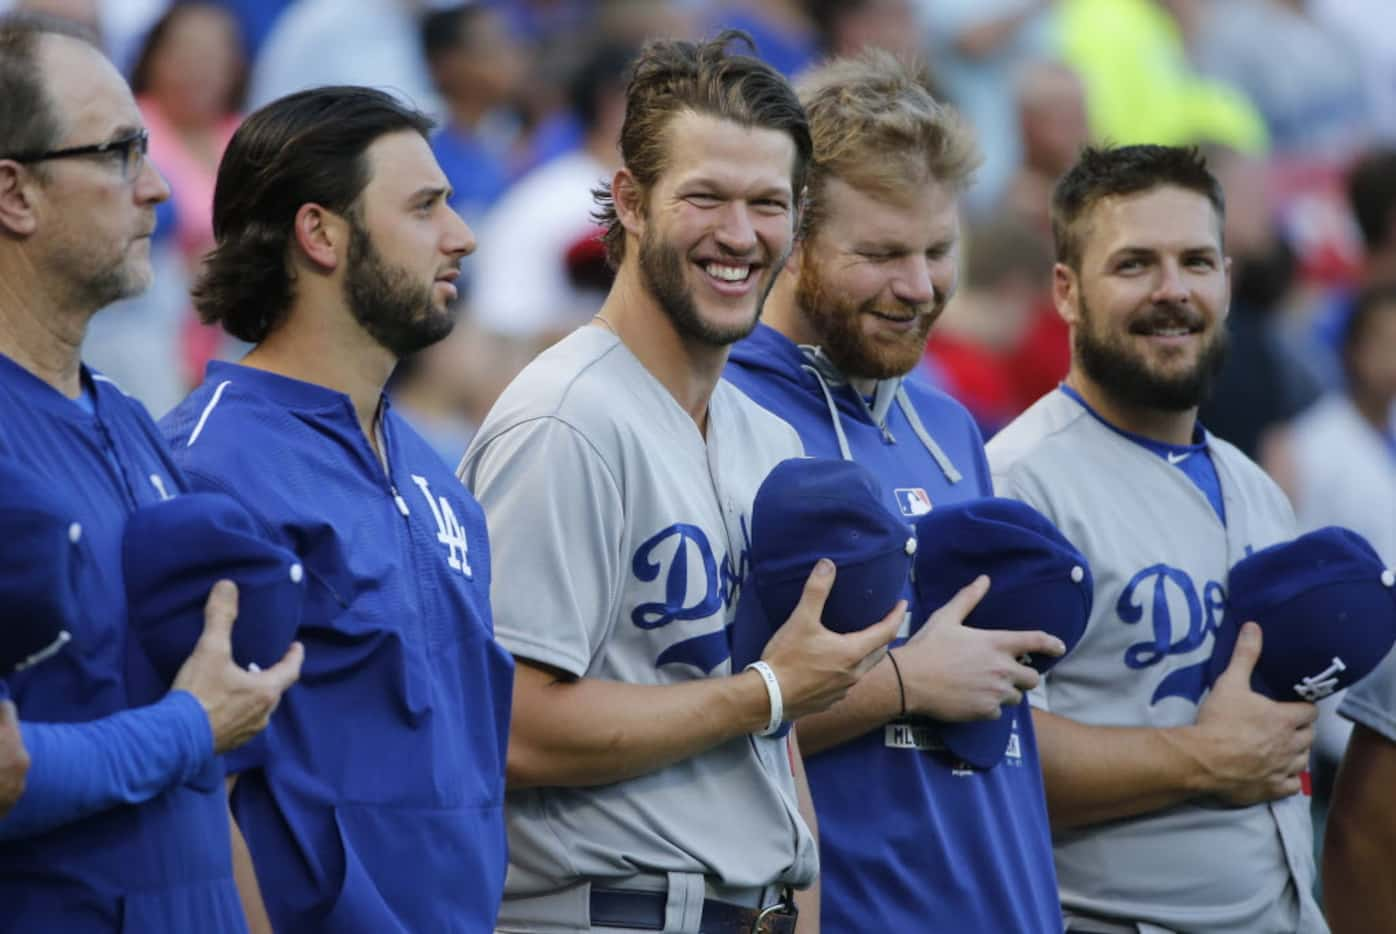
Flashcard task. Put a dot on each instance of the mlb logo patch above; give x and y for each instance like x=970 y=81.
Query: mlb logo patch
x=913 y=501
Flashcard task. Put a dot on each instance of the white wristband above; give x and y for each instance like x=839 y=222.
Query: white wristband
x=772 y=693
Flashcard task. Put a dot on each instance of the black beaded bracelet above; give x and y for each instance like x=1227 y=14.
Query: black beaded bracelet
x=901 y=688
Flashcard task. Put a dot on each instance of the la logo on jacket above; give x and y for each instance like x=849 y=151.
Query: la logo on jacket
x=449 y=531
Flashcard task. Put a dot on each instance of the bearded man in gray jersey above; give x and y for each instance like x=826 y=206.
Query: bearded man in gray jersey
x=617 y=474
x=1174 y=803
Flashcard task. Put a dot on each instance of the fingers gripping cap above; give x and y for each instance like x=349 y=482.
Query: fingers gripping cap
x=173 y=553
x=1326 y=606
x=1038 y=580
x=43 y=551
x=812 y=508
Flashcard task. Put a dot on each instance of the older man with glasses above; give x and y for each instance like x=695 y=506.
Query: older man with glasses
x=112 y=830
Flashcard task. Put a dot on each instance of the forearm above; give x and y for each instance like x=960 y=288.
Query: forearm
x=806 y=900
x=80 y=769
x=870 y=704
x=245 y=876
x=587 y=731
x=1361 y=836
x=1099 y=773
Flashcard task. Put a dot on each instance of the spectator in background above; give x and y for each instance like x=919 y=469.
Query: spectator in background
x=539 y=21
x=376 y=43
x=256 y=19
x=1344 y=448
x=977 y=47
x=783 y=30
x=1317 y=111
x=1053 y=126
x=522 y=290
x=477 y=67
x=1140 y=85
x=189 y=80
x=1263 y=384
x=1371 y=195
x=1365 y=23
x=561 y=35
x=974 y=351
x=847 y=27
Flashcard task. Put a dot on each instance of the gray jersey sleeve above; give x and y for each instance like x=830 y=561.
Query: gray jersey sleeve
x=556 y=524
x=1372 y=701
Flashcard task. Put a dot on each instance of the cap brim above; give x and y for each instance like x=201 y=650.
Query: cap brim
x=981 y=743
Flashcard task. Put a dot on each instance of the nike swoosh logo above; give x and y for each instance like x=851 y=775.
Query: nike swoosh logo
x=1178 y=458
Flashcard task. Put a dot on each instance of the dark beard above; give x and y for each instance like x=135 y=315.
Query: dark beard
x=1126 y=377
x=838 y=321
x=661 y=270
x=398 y=313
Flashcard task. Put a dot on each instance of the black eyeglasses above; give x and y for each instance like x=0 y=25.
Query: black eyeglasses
x=131 y=149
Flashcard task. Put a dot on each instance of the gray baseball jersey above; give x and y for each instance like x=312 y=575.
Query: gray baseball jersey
x=1372 y=701
x=1160 y=556
x=619 y=540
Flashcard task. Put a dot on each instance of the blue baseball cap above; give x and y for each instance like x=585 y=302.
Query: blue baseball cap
x=1326 y=605
x=173 y=552
x=1038 y=580
x=812 y=508
x=42 y=553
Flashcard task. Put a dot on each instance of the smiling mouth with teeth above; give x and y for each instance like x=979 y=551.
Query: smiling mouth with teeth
x=727 y=273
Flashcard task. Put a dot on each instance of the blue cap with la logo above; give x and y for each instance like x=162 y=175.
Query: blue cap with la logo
x=1326 y=605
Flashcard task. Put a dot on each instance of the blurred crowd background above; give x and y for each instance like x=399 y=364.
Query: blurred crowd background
x=1293 y=100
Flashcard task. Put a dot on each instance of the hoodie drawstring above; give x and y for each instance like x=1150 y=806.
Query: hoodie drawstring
x=941 y=458
x=827 y=375
x=844 y=450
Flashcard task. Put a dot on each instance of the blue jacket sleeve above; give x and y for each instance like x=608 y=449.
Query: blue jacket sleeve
x=80 y=769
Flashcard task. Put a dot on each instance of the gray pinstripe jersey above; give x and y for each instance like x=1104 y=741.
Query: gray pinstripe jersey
x=1160 y=557
x=619 y=540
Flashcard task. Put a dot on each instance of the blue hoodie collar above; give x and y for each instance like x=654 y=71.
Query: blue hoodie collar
x=771 y=352
x=285 y=390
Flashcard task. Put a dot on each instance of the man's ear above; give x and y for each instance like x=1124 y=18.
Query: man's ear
x=321 y=235
x=629 y=198
x=797 y=257
x=17 y=191
x=1066 y=293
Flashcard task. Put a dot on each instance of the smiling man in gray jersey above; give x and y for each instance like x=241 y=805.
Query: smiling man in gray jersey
x=617 y=473
x=1173 y=809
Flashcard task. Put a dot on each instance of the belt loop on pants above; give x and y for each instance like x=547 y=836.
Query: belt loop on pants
x=683 y=910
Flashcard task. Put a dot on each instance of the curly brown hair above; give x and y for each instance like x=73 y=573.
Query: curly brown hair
x=671 y=77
